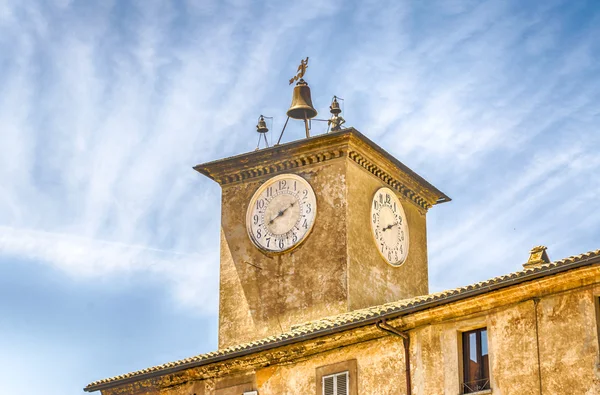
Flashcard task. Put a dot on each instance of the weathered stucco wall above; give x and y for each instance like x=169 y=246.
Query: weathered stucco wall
x=380 y=366
x=372 y=281
x=262 y=294
x=566 y=332
x=512 y=333
x=568 y=348
x=569 y=343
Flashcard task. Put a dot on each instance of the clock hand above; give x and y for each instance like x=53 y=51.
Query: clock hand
x=288 y=207
x=280 y=213
x=389 y=227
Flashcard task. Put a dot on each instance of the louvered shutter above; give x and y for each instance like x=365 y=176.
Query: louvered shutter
x=336 y=384
x=342 y=384
x=329 y=385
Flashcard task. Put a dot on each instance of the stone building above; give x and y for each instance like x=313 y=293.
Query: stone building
x=324 y=290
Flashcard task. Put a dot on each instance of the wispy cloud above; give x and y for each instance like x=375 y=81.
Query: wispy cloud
x=92 y=258
x=106 y=106
x=497 y=105
x=102 y=118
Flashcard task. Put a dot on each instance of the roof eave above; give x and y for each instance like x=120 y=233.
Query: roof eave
x=427 y=304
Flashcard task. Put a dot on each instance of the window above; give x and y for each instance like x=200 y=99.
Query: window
x=336 y=384
x=337 y=379
x=476 y=367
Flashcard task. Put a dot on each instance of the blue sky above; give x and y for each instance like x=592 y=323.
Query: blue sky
x=108 y=238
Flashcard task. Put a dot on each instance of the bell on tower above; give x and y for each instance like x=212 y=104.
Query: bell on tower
x=262 y=130
x=302 y=107
x=336 y=121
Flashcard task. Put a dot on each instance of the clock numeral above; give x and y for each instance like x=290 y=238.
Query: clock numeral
x=388 y=198
x=308 y=208
x=395 y=206
x=282 y=184
x=258 y=233
x=374 y=218
x=281 y=243
x=305 y=224
x=305 y=193
x=390 y=255
x=295 y=182
x=268 y=239
x=255 y=219
x=375 y=204
x=380 y=198
x=260 y=204
x=294 y=238
x=269 y=191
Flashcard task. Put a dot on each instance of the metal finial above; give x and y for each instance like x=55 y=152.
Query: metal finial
x=301 y=70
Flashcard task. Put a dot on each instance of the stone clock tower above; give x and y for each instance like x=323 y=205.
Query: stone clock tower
x=336 y=242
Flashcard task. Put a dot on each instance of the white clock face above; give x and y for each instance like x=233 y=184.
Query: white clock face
x=389 y=225
x=281 y=213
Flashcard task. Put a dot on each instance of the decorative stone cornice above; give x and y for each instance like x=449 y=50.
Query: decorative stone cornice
x=388 y=179
x=348 y=143
x=279 y=166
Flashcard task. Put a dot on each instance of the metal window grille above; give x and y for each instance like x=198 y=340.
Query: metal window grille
x=336 y=384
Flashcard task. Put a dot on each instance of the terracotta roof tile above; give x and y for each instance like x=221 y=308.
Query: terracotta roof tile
x=342 y=319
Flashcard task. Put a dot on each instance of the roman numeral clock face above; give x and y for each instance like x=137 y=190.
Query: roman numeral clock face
x=281 y=213
x=390 y=229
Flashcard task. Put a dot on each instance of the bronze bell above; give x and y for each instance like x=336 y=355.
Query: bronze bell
x=262 y=125
x=335 y=106
x=302 y=107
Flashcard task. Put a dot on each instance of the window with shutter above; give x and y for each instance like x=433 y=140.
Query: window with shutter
x=336 y=384
x=340 y=378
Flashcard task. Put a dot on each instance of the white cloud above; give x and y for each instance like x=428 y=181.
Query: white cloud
x=189 y=276
x=106 y=106
x=103 y=111
x=100 y=129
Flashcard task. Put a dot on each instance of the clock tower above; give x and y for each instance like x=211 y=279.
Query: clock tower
x=314 y=228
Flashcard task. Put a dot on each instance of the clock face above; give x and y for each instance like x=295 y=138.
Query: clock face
x=281 y=213
x=389 y=225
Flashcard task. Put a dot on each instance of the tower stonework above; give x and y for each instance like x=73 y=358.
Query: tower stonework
x=337 y=268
